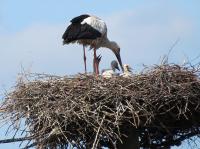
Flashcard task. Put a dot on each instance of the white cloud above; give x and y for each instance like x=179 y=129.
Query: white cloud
x=144 y=35
x=41 y=47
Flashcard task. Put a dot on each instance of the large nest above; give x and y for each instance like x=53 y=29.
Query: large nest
x=87 y=111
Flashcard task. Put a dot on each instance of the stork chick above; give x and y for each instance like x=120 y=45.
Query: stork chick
x=108 y=73
x=127 y=71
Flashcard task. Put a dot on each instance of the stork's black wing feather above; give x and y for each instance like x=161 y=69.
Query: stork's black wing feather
x=80 y=31
x=80 y=18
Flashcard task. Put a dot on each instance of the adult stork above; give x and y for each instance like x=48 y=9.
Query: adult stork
x=90 y=31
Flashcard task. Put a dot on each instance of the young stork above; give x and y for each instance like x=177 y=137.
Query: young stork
x=108 y=73
x=127 y=71
x=90 y=31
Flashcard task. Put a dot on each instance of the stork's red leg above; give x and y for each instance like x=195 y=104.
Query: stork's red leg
x=95 y=62
x=98 y=59
x=84 y=57
x=98 y=62
x=94 y=68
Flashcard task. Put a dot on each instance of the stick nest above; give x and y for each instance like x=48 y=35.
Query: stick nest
x=85 y=111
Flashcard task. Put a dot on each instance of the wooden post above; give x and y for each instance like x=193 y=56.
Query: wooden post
x=131 y=141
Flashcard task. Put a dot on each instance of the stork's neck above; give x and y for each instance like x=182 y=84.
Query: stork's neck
x=107 y=43
x=113 y=69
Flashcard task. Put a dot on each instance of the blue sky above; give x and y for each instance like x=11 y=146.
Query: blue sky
x=30 y=35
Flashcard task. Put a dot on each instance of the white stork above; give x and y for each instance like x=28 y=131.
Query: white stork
x=90 y=31
x=108 y=73
x=127 y=71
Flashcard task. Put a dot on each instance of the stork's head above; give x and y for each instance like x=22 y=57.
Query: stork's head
x=114 y=65
x=116 y=49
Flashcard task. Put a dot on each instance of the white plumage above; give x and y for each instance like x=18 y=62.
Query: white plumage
x=127 y=71
x=90 y=31
x=96 y=23
x=108 y=73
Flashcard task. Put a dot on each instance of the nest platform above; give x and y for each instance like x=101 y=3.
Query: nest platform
x=86 y=111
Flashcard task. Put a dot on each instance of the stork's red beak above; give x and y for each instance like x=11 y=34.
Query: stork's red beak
x=119 y=60
x=117 y=68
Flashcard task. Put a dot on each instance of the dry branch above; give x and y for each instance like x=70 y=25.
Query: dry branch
x=85 y=110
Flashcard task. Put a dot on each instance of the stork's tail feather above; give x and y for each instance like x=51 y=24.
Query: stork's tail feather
x=68 y=41
x=64 y=42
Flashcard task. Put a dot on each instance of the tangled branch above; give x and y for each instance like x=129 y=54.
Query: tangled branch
x=87 y=111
